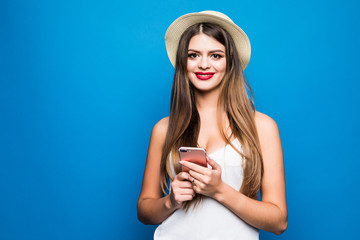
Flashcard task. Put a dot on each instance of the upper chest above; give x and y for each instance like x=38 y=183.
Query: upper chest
x=211 y=137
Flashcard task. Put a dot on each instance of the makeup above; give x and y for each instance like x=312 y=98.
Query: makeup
x=204 y=75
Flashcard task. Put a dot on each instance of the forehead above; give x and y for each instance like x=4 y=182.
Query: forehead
x=203 y=42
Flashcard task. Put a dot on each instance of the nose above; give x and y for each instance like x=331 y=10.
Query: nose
x=204 y=63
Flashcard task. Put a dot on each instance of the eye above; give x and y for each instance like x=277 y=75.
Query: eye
x=216 y=56
x=192 y=55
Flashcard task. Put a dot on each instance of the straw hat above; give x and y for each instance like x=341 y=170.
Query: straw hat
x=176 y=29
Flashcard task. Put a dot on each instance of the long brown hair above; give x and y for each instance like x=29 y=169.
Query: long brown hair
x=184 y=120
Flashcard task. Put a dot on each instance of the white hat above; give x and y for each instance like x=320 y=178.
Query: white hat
x=178 y=27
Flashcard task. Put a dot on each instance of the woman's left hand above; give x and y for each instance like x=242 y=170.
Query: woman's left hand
x=205 y=181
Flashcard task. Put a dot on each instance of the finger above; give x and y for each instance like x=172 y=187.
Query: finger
x=195 y=167
x=197 y=189
x=184 y=184
x=213 y=164
x=187 y=191
x=198 y=185
x=181 y=184
x=183 y=176
x=180 y=192
x=197 y=176
x=187 y=198
x=181 y=198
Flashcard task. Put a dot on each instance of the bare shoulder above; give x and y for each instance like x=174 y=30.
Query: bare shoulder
x=265 y=125
x=263 y=120
x=267 y=129
x=160 y=129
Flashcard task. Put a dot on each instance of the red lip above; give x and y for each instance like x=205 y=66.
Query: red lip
x=204 y=75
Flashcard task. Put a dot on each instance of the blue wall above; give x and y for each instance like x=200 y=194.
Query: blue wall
x=83 y=82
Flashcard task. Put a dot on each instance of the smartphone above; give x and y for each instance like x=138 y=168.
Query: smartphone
x=192 y=154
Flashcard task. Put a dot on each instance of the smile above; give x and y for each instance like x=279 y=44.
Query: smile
x=204 y=75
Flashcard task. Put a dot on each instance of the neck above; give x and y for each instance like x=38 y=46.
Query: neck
x=211 y=114
x=207 y=101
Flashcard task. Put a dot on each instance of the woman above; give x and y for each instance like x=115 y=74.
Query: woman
x=210 y=108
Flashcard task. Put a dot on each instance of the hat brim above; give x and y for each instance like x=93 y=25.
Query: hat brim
x=177 y=28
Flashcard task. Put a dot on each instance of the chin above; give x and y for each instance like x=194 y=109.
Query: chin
x=205 y=86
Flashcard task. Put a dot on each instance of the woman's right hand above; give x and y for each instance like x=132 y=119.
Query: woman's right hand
x=181 y=190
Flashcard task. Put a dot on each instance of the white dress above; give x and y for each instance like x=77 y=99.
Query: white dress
x=210 y=219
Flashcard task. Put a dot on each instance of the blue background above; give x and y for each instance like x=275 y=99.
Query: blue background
x=83 y=82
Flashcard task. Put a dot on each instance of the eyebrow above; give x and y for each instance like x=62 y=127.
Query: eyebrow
x=213 y=51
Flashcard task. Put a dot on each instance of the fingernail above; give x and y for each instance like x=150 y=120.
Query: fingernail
x=181 y=162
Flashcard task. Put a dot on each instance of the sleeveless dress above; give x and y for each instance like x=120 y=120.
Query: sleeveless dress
x=211 y=220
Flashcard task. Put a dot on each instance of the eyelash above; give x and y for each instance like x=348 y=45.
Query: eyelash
x=216 y=56
x=192 y=55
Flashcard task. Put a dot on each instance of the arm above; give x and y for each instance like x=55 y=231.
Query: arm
x=153 y=207
x=270 y=213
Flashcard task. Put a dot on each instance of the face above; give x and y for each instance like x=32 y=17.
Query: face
x=206 y=64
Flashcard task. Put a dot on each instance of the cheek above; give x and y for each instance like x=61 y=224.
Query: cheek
x=190 y=65
x=221 y=66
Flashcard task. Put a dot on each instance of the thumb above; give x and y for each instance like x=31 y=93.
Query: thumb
x=183 y=176
x=213 y=164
